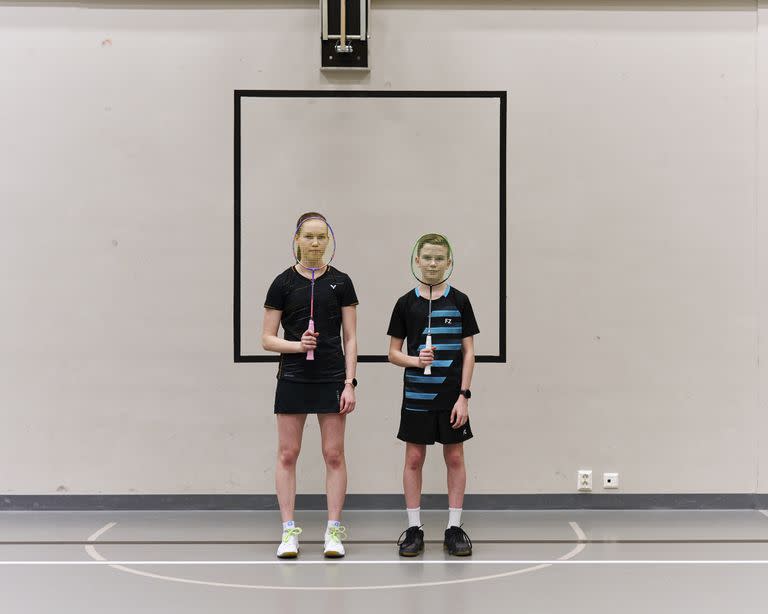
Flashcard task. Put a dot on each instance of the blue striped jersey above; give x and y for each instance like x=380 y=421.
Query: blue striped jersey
x=452 y=320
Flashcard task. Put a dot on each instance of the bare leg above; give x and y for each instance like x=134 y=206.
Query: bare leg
x=414 y=462
x=332 y=433
x=290 y=428
x=457 y=473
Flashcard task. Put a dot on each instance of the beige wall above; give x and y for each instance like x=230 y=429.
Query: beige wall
x=636 y=224
x=761 y=241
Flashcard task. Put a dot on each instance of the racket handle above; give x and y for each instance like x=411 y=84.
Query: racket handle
x=428 y=368
x=311 y=353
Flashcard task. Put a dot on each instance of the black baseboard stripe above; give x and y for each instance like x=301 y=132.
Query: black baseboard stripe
x=386 y=502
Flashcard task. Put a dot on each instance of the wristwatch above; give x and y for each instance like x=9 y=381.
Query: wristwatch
x=352 y=381
x=467 y=394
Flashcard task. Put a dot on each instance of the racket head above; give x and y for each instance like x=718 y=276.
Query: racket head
x=313 y=244
x=432 y=259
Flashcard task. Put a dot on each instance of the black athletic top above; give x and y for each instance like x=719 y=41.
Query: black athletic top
x=452 y=320
x=290 y=293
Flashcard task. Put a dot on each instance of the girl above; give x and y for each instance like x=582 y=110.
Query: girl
x=324 y=386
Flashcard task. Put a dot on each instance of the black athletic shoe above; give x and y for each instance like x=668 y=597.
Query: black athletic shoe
x=411 y=542
x=457 y=542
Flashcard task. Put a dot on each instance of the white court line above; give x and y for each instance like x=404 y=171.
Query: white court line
x=101 y=531
x=94 y=554
x=764 y=512
x=546 y=562
x=580 y=535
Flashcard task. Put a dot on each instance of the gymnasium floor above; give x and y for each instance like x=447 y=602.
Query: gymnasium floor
x=524 y=561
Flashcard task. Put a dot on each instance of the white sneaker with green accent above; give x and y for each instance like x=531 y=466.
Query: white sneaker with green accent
x=334 y=549
x=289 y=546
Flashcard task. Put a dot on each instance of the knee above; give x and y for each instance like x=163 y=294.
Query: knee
x=454 y=458
x=414 y=459
x=334 y=457
x=288 y=456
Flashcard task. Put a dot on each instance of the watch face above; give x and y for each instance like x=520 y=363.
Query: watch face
x=354 y=382
x=467 y=394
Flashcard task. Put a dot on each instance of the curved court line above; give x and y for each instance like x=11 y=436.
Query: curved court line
x=94 y=554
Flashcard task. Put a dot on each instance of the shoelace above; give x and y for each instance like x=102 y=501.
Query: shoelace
x=400 y=539
x=461 y=534
x=336 y=534
x=288 y=533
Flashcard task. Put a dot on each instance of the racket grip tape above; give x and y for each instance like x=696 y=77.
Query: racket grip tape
x=311 y=328
x=428 y=368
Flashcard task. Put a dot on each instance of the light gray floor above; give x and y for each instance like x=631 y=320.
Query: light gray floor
x=549 y=561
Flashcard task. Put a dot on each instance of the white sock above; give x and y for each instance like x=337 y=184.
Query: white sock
x=414 y=517
x=333 y=523
x=454 y=517
x=288 y=525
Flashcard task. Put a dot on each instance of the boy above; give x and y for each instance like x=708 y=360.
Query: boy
x=435 y=406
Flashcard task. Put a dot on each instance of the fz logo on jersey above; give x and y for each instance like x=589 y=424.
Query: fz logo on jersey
x=448 y=320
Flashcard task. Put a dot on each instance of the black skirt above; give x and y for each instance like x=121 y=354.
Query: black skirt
x=308 y=398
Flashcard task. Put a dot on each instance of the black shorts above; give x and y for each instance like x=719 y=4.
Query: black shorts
x=308 y=398
x=427 y=427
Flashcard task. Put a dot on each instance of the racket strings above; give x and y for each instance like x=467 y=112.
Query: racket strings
x=314 y=246
x=432 y=260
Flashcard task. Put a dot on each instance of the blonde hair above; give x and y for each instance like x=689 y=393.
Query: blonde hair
x=433 y=239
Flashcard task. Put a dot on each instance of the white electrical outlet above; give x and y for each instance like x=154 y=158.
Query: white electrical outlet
x=584 y=480
x=610 y=480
